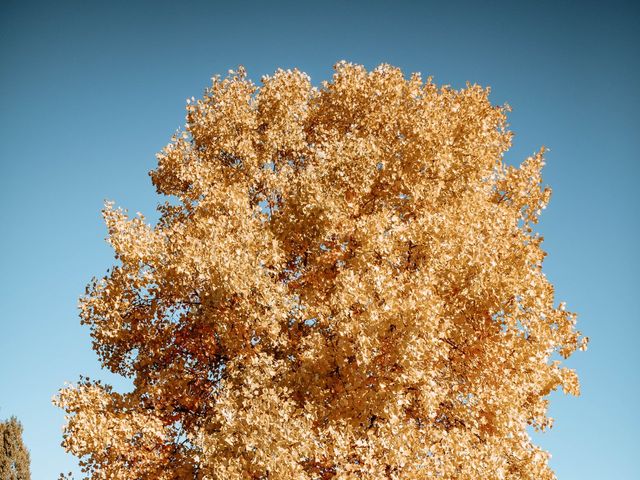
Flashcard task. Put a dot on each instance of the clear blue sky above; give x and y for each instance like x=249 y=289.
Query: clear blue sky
x=90 y=91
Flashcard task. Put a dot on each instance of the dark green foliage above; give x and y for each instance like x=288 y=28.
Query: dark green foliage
x=14 y=456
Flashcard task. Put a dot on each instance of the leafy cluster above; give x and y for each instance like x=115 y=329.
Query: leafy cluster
x=344 y=283
x=14 y=456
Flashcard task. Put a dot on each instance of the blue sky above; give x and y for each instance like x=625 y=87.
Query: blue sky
x=90 y=91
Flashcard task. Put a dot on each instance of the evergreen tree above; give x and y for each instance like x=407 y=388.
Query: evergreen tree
x=14 y=456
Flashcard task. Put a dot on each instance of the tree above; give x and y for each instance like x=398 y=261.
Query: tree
x=14 y=456
x=344 y=283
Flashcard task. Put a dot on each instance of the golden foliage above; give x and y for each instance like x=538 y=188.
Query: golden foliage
x=344 y=284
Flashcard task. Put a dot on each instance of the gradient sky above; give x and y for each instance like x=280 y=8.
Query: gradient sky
x=90 y=91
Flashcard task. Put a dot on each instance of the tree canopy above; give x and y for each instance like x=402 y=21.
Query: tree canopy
x=14 y=456
x=345 y=282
